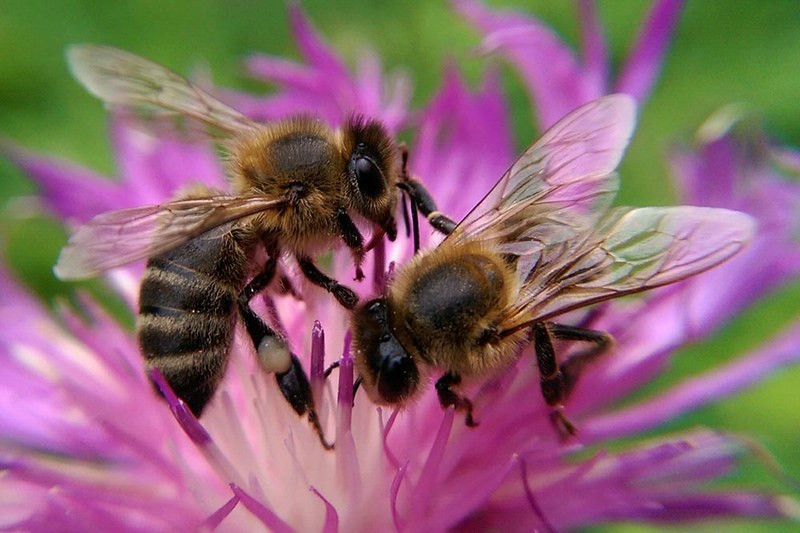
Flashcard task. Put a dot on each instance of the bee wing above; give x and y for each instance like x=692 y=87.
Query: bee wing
x=119 y=237
x=121 y=78
x=562 y=182
x=632 y=250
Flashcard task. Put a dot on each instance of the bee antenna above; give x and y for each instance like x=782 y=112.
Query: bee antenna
x=405 y=186
x=406 y=220
x=404 y=161
x=414 y=224
x=356 y=386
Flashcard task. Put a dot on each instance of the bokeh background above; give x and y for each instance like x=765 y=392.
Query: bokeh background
x=734 y=51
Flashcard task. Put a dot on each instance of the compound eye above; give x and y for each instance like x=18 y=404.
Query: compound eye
x=368 y=177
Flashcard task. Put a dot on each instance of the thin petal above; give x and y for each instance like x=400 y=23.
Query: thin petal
x=72 y=192
x=262 y=512
x=595 y=52
x=154 y=169
x=694 y=507
x=397 y=101
x=630 y=484
x=283 y=72
x=331 y=524
x=732 y=171
x=463 y=144
x=317 y=374
x=286 y=103
x=324 y=86
x=424 y=488
x=313 y=48
x=551 y=71
x=644 y=63
x=369 y=79
x=698 y=391
x=216 y=518
x=395 y=488
x=709 y=177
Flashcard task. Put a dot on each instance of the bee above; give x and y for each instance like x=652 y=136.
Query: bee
x=298 y=186
x=542 y=242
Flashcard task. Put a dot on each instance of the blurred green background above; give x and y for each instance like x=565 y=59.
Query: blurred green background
x=734 y=51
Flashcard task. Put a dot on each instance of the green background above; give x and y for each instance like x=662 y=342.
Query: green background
x=734 y=51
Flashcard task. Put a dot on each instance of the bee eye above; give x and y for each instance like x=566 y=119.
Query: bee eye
x=367 y=175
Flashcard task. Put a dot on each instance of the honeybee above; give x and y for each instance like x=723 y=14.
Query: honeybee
x=298 y=184
x=542 y=242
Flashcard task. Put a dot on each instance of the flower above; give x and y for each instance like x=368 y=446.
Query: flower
x=323 y=86
x=85 y=443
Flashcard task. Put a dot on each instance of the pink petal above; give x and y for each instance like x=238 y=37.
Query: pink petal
x=463 y=144
x=313 y=48
x=283 y=72
x=424 y=488
x=331 y=524
x=261 y=511
x=70 y=191
x=694 y=507
x=697 y=391
x=216 y=518
x=595 y=52
x=317 y=374
x=154 y=169
x=644 y=63
x=552 y=73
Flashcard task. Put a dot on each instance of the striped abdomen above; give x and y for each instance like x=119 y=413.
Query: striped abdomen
x=187 y=312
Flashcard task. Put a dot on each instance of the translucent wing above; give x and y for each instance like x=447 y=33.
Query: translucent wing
x=632 y=250
x=561 y=183
x=125 y=79
x=119 y=237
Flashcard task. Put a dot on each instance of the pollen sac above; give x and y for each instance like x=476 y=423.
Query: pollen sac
x=274 y=355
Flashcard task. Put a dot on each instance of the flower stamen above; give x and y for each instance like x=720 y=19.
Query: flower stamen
x=395 y=489
x=260 y=511
x=331 y=524
x=537 y=510
x=215 y=519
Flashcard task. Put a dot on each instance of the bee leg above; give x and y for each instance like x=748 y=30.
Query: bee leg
x=285 y=286
x=551 y=379
x=352 y=238
x=573 y=366
x=343 y=295
x=262 y=279
x=421 y=198
x=448 y=397
x=292 y=382
x=296 y=389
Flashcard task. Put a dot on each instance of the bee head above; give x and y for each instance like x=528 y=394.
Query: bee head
x=390 y=375
x=372 y=171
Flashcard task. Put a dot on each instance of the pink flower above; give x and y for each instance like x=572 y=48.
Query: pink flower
x=85 y=443
x=324 y=86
